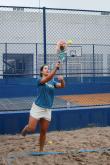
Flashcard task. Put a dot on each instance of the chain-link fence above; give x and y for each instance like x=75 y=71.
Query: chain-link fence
x=28 y=38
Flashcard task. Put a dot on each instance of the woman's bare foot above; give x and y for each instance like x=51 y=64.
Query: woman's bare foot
x=24 y=131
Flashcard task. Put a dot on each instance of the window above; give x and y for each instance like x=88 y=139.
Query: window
x=18 y=65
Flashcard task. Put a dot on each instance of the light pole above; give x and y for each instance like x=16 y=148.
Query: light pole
x=39 y=3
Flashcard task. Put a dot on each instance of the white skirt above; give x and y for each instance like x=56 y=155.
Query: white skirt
x=39 y=112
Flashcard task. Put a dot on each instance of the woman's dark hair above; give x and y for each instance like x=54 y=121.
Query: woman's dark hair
x=41 y=69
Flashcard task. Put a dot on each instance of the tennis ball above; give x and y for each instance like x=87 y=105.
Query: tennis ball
x=69 y=42
x=50 y=142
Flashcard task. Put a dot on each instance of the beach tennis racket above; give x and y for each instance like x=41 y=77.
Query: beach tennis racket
x=61 y=55
x=61 y=51
x=61 y=48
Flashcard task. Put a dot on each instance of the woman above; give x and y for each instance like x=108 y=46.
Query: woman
x=41 y=108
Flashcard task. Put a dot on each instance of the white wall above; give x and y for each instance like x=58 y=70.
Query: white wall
x=19 y=26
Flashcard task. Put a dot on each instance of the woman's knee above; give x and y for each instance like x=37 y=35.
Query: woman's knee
x=43 y=131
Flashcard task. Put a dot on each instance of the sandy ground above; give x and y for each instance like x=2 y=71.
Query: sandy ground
x=14 y=148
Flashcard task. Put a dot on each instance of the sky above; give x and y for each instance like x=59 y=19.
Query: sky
x=103 y=5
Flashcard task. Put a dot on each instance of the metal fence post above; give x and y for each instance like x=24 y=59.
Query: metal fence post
x=44 y=33
x=66 y=66
x=93 y=63
x=6 y=55
x=36 y=59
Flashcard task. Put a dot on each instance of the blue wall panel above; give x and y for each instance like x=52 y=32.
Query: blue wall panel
x=13 y=122
x=18 y=87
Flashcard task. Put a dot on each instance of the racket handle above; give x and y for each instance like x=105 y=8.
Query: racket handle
x=58 y=67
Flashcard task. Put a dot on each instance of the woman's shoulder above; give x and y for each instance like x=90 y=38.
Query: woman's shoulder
x=38 y=80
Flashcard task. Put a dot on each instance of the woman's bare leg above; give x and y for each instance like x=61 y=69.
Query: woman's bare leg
x=44 y=124
x=30 y=128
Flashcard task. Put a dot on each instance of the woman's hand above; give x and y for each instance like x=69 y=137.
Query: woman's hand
x=60 y=78
x=60 y=84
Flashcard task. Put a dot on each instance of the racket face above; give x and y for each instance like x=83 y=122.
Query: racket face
x=61 y=46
